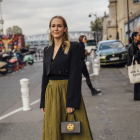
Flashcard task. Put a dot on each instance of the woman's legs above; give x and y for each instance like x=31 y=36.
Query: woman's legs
x=86 y=74
x=137 y=91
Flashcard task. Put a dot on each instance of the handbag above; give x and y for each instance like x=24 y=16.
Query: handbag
x=71 y=126
x=134 y=72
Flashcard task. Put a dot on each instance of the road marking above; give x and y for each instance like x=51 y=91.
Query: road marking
x=17 y=110
x=11 y=113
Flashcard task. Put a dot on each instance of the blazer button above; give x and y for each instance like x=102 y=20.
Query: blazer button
x=66 y=70
x=59 y=72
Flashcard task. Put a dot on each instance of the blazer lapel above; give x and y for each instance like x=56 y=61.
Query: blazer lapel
x=49 y=57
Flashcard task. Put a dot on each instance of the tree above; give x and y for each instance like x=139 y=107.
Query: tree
x=95 y=27
x=14 y=30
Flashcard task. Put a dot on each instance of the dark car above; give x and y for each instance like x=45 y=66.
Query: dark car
x=112 y=52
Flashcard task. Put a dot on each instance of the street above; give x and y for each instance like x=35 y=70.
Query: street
x=113 y=115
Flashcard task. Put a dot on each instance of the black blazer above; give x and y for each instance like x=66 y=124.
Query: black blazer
x=64 y=64
x=82 y=50
x=133 y=50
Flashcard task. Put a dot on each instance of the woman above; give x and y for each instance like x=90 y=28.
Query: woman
x=82 y=40
x=61 y=85
x=134 y=49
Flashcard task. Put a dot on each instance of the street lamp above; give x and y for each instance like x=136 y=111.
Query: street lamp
x=128 y=20
x=1 y=21
x=96 y=24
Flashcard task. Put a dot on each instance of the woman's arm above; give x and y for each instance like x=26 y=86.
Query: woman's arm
x=75 y=77
x=45 y=81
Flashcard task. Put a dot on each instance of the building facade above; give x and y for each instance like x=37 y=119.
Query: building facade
x=115 y=26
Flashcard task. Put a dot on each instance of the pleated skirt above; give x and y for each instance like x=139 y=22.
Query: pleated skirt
x=55 y=112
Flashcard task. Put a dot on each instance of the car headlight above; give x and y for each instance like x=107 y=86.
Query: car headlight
x=102 y=54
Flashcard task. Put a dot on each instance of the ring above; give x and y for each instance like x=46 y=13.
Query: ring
x=71 y=110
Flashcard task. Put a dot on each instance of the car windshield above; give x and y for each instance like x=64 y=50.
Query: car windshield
x=91 y=43
x=110 y=45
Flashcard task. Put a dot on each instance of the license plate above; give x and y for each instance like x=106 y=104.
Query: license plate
x=114 y=58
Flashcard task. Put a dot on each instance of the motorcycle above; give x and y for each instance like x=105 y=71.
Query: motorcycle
x=20 y=60
x=3 y=67
x=27 y=56
x=13 y=63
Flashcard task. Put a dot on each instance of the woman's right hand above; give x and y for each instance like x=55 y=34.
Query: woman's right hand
x=43 y=110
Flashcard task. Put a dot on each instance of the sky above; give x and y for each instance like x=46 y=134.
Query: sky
x=33 y=16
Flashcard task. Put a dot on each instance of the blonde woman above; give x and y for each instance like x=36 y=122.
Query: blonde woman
x=61 y=85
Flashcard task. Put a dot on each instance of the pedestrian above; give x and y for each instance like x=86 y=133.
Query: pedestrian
x=61 y=85
x=134 y=49
x=82 y=40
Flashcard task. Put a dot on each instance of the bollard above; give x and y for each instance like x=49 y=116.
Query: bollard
x=88 y=65
x=92 y=54
x=96 y=67
x=25 y=94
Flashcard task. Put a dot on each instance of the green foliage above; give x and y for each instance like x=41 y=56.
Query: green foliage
x=14 y=30
x=93 y=26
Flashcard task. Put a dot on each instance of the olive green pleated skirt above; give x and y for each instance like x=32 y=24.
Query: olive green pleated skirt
x=55 y=112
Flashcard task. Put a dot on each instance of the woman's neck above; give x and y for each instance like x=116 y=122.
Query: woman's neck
x=135 y=41
x=58 y=42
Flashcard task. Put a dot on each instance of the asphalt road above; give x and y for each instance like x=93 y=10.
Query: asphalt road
x=10 y=84
x=113 y=115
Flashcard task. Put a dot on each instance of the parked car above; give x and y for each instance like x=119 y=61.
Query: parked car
x=112 y=52
x=90 y=45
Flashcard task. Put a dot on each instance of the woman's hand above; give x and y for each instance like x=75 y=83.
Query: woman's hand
x=86 y=52
x=70 y=110
x=139 y=46
x=43 y=110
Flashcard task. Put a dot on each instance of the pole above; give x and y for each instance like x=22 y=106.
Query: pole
x=96 y=28
x=116 y=20
x=128 y=20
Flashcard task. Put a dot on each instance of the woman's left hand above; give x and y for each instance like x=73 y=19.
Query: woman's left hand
x=70 y=110
x=139 y=46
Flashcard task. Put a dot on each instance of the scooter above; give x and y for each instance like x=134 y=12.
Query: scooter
x=27 y=57
x=15 y=62
x=3 y=67
x=21 y=62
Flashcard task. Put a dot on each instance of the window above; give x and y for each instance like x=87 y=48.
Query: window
x=111 y=45
x=136 y=1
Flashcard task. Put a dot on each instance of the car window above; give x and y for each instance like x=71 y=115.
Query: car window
x=90 y=43
x=110 y=45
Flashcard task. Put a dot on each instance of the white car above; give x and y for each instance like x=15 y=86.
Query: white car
x=91 y=44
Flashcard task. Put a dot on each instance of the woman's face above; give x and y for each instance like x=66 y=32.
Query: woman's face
x=84 y=40
x=57 y=28
x=136 y=37
x=139 y=36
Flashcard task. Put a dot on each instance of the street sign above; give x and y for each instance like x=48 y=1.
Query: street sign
x=1 y=21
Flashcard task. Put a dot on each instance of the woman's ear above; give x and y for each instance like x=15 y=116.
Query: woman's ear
x=65 y=29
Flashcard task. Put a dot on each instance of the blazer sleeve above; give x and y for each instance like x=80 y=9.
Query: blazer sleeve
x=82 y=48
x=45 y=81
x=129 y=57
x=75 y=77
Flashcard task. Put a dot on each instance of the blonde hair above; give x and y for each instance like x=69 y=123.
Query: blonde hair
x=65 y=40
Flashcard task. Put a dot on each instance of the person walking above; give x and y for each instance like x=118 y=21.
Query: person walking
x=82 y=40
x=134 y=50
x=61 y=85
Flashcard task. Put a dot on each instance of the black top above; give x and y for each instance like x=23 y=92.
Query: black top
x=63 y=65
x=57 y=76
